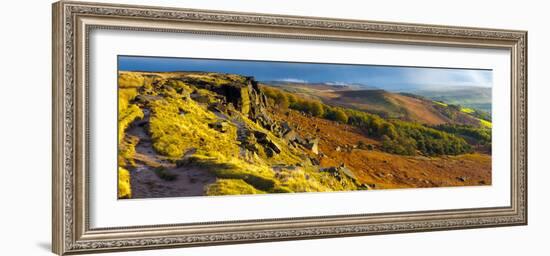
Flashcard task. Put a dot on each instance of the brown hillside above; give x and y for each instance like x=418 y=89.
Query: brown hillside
x=420 y=110
x=338 y=145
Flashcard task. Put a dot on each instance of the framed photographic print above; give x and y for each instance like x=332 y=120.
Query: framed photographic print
x=179 y=127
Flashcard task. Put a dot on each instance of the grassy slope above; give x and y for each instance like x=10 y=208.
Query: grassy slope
x=179 y=124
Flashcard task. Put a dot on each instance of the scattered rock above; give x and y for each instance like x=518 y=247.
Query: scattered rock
x=182 y=111
x=348 y=148
x=270 y=152
x=340 y=171
x=338 y=149
x=201 y=98
x=145 y=99
x=274 y=147
x=300 y=141
x=315 y=161
x=462 y=178
x=285 y=127
x=346 y=171
x=248 y=140
x=221 y=126
x=290 y=135
x=220 y=107
x=266 y=142
x=313 y=145
x=333 y=170
x=364 y=187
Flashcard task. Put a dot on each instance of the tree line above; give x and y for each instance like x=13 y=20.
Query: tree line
x=482 y=136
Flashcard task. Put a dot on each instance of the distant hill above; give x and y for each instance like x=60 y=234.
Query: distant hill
x=473 y=97
x=403 y=106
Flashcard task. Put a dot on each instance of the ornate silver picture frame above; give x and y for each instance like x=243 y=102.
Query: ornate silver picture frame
x=72 y=24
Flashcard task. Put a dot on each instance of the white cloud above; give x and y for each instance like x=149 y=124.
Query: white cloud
x=449 y=77
x=479 y=77
x=293 y=80
x=337 y=83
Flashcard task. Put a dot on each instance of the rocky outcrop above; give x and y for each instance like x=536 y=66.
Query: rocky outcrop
x=247 y=98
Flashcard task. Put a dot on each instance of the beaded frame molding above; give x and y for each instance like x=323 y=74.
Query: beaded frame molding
x=72 y=23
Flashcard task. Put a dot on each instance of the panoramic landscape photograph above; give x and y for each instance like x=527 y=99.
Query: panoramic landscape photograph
x=212 y=127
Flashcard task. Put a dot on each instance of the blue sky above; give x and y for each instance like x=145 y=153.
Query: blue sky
x=391 y=78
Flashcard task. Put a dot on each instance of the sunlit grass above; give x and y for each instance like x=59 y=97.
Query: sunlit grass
x=124 y=189
x=125 y=95
x=485 y=123
x=259 y=175
x=127 y=151
x=130 y=80
x=178 y=125
x=441 y=103
x=126 y=117
x=467 y=110
x=231 y=187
